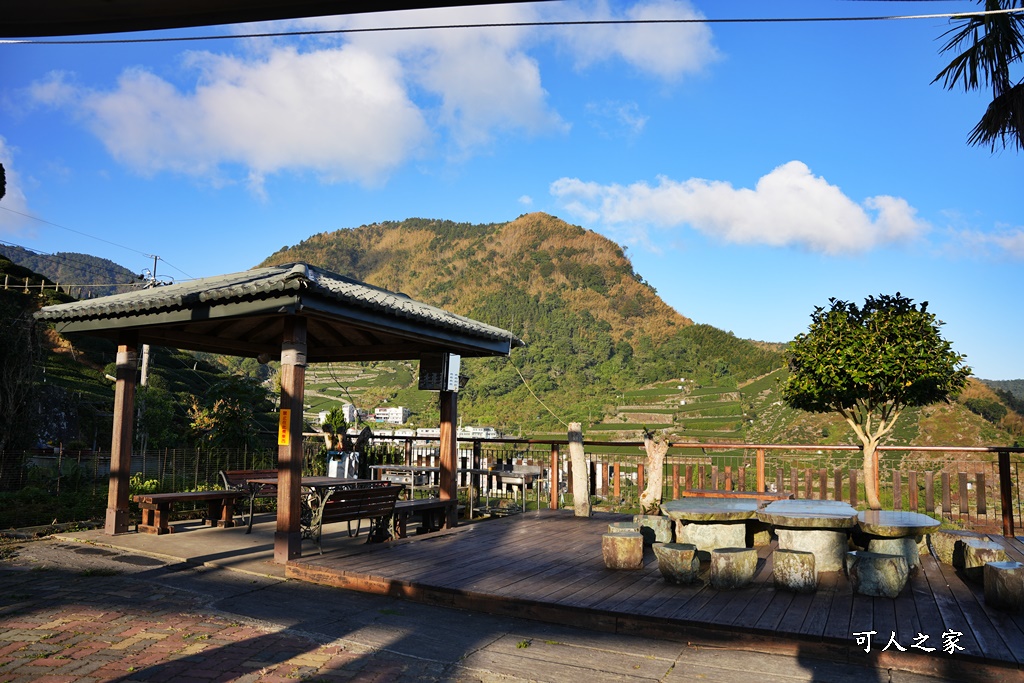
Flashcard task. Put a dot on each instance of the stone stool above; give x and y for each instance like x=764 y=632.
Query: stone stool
x=1004 y=585
x=619 y=527
x=945 y=542
x=978 y=553
x=623 y=550
x=678 y=562
x=732 y=567
x=654 y=528
x=794 y=570
x=907 y=547
x=875 y=574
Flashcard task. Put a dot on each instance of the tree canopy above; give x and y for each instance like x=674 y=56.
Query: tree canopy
x=868 y=363
x=987 y=47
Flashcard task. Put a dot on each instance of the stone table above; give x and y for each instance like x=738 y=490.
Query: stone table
x=711 y=523
x=816 y=526
x=896 y=532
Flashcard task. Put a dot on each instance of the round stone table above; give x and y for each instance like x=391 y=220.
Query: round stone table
x=895 y=532
x=711 y=523
x=820 y=527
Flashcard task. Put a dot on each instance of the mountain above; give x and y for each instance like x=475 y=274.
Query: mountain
x=594 y=328
x=85 y=275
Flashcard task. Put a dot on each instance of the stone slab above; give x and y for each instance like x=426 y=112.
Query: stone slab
x=944 y=544
x=654 y=528
x=978 y=553
x=707 y=536
x=623 y=550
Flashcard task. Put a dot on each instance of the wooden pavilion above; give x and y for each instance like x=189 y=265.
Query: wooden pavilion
x=295 y=312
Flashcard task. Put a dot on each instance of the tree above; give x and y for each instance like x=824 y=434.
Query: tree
x=868 y=364
x=988 y=46
x=656 y=448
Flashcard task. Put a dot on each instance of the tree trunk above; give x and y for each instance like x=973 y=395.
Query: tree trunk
x=580 y=471
x=650 y=499
x=871 y=475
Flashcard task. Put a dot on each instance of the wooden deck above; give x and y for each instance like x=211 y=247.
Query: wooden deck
x=548 y=566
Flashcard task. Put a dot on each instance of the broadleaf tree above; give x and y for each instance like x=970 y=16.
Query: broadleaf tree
x=868 y=363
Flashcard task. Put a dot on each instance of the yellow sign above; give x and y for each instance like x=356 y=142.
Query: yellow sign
x=284 y=432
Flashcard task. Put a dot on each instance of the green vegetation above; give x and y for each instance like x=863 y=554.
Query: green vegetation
x=869 y=364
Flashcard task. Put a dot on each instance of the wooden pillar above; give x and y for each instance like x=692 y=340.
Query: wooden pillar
x=555 y=472
x=760 y=470
x=288 y=536
x=447 y=461
x=1006 y=493
x=121 y=441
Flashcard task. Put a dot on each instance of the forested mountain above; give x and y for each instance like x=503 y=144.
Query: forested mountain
x=594 y=328
x=85 y=275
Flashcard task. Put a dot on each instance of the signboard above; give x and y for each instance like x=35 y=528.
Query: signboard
x=440 y=372
x=284 y=432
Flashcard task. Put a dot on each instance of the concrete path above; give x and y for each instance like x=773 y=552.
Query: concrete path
x=72 y=611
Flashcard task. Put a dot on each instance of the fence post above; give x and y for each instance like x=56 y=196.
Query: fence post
x=1005 y=493
x=675 y=481
x=760 y=470
x=912 y=489
x=554 y=476
x=853 y=488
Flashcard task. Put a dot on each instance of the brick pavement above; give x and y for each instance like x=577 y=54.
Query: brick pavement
x=78 y=612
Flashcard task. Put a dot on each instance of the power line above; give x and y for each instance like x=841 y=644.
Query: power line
x=511 y=24
x=85 y=234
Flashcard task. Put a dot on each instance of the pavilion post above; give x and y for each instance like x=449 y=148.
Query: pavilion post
x=121 y=441
x=447 y=480
x=288 y=537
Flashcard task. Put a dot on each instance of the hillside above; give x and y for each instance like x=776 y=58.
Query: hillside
x=594 y=329
x=87 y=276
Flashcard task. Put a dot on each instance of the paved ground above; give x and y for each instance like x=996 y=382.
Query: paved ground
x=73 y=611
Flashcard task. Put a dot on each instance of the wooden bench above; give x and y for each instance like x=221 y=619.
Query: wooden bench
x=760 y=496
x=156 y=508
x=238 y=480
x=374 y=503
x=431 y=512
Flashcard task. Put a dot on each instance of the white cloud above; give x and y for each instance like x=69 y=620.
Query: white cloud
x=14 y=204
x=667 y=51
x=1009 y=242
x=526 y=200
x=615 y=119
x=788 y=207
x=343 y=113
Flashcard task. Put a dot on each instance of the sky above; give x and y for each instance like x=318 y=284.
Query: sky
x=752 y=170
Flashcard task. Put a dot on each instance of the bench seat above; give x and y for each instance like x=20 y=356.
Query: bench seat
x=156 y=508
x=374 y=503
x=431 y=512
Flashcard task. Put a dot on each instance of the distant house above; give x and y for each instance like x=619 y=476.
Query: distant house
x=396 y=416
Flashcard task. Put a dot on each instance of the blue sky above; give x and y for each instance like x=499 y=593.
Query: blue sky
x=752 y=170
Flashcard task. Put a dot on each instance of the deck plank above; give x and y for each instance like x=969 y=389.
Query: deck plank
x=549 y=566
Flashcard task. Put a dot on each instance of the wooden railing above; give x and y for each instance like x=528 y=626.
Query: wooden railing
x=978 y=487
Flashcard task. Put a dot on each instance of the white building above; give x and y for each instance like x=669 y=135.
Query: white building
x=348 y=411
x=477 y=433
x=396 y=416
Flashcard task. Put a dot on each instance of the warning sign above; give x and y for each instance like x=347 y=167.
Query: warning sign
x=284 y=433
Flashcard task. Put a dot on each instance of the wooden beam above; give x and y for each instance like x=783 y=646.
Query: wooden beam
x=288 y=537
x=121 y=441
x=448 y=457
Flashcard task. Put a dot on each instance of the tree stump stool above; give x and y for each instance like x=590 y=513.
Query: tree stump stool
x=678 y=562
x=947 y=544
x=732 y=567
x=654 y=528
x=876 y=574
x=620 y=527
x=1004 y=585
x=794 y=570
x=978 y=553
x=623 y=550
